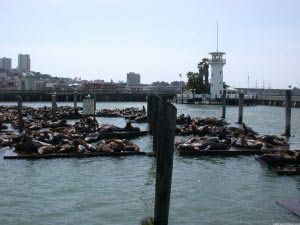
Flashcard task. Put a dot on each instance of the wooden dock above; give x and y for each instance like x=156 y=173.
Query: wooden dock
x=228 y=153
x=123 y=135
x=74 y=155
x=287 y=170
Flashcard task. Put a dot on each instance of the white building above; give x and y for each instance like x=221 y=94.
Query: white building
x=216 y=70
x=133 y=79
x=24 y=63
x=27 y=81
x=5 y=63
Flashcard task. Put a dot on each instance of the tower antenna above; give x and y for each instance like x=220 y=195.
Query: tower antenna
x=217 y=36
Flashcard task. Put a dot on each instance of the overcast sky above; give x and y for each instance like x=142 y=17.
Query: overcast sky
x=105 y=39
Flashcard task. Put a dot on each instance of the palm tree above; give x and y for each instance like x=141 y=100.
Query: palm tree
x=205 y=66
x=200 y=68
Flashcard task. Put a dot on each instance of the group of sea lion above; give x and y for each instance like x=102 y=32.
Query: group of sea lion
x=10 y=113
x=215 y=134
x=198 y=126
x=28 y=145
x=44 y=135
x=132 y=114
x=282 y=158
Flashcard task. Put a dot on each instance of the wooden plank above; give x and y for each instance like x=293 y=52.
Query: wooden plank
x=230 y=152
x=288 y=170
x=76 y=155
x=122 y=135
x=292 y=205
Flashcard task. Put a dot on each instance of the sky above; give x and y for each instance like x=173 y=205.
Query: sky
x=160 y=39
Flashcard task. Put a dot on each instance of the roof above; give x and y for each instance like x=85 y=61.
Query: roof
x=217 y=53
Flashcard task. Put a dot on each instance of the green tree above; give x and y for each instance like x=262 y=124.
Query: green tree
x=194 y=82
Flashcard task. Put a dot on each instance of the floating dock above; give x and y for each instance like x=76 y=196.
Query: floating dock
x=287 y=170
x=229 y=152
x=75 y=155
x=123 y=135
x=292 y=205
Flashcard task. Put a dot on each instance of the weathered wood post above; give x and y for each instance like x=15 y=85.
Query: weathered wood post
x=20 y=113
x=164 y=161
x=75 y=102
x=241 y=106
x=54 y=106
x=224 y=104
x=149 y=112
x=95 y=101
x=155 y=119
x=288 y=112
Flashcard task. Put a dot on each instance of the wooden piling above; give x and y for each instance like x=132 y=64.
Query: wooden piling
x=54 y=106
x=75 y=101
x=224 y=104
x=149 y=112
x=241 y=106
x=20 y=113
x=164 y=161
x=288 y=112
x=155 y=119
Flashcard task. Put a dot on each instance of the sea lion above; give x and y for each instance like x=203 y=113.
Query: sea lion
x=46 y=149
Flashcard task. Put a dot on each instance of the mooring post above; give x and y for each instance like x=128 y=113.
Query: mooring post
x=224 y=104
x=20 y=113
x=53 y=105
x=288 y=112
x=155 y=119
x=149 y=112
x=241 y=106
x=95 y=102
x=164 y=161
x=75 y=102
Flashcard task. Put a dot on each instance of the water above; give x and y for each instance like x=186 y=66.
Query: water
x=121 y=190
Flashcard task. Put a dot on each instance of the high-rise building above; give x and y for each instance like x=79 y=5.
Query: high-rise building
x=5 y=63
x=24 y=63
x=133 y=79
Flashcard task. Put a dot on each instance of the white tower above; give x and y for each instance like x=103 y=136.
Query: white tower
x=216 y=71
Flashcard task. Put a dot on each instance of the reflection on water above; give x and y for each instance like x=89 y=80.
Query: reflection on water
x=205 y=190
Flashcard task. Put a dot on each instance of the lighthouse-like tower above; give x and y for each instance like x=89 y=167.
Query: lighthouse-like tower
x=216 y=71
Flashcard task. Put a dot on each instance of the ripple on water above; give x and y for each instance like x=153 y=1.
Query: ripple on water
x=207 y=190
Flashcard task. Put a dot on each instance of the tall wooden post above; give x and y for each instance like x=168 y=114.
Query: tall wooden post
x=241 y=106
x=164 y=161
x=54 y=106
x=155 y=119
x=95 y=101
x=75 y=102
x=149 y=112
x=224 y=104
x=20 y=113
x=288 y=112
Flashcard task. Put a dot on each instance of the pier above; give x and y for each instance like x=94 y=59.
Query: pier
x=70 y=95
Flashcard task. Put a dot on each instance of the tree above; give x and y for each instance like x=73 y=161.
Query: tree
x=205 y=71
x=200 y=69
x=194 y=82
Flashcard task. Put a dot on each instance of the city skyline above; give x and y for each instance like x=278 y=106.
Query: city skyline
x=107 y=39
